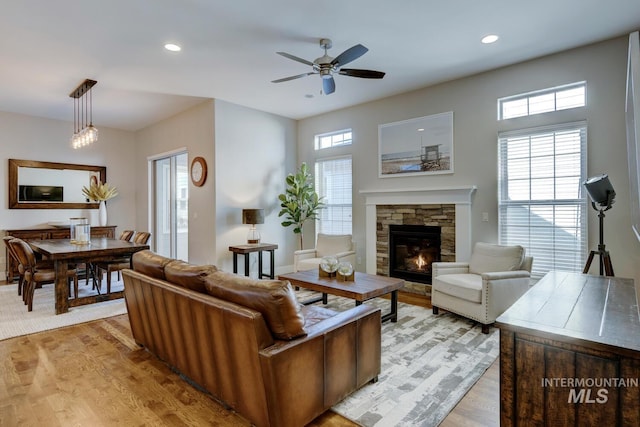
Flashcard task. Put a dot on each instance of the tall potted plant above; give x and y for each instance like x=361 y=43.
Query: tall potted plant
x=300 y=202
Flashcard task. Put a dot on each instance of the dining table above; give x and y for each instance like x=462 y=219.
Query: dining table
x=62 y=252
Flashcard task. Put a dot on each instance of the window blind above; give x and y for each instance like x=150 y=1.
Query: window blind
x=542 y=205
x=333 y=183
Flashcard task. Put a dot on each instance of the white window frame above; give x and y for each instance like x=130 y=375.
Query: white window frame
x=339 y=138
x=547 y=254
x=327 y=225
x=529 y=99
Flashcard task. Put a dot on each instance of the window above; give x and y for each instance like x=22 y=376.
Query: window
x=543 y=101
x=333 y=183
x=333 y=139
x=540 y=199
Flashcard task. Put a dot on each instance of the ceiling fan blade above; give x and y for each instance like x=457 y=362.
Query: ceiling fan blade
x=286 y=79
x=295 y=58
x=365 y=74
x=328 y=85
x=349 y=55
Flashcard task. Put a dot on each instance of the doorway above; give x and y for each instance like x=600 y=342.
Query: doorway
x=171 y=205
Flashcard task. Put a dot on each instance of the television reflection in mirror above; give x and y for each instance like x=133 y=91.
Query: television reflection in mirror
x=40 y=193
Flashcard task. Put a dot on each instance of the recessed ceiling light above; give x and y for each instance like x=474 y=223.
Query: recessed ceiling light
x=491 y=38
x=172 y=47
x=421 y=130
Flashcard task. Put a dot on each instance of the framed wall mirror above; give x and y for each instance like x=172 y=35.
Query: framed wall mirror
x=48 y=185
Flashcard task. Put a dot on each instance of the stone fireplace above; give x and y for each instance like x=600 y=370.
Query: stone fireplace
x=446 y=208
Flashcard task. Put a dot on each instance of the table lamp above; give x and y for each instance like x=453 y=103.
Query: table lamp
x=253 y=217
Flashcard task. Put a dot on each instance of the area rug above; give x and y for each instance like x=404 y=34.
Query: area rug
x=16 y=321
x=429 y=362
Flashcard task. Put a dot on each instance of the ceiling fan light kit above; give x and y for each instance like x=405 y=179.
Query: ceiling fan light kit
x=326 y=66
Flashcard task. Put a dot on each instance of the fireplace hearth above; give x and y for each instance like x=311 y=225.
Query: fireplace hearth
x=412 y=250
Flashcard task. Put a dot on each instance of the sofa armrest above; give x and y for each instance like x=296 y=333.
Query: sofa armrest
x=501 y=275
x=442 y=268
x=503 y=289
x=345 y=254
x=301 y=255
x=310 y=374
x=304 y=252
x=324 y=326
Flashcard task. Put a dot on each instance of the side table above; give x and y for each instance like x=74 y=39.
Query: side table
x=246 y=250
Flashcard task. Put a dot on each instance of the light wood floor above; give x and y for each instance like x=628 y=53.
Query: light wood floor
x=93 y=374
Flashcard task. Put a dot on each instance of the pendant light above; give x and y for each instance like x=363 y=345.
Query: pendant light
x=83 y=134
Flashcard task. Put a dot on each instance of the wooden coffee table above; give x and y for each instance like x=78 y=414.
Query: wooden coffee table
x=363 y=288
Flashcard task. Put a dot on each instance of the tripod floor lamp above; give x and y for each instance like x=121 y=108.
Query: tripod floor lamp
x=602 y=195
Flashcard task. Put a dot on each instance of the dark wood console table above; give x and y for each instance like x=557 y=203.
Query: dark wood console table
x=47 y=233
x=559 y=343
x=246 y=251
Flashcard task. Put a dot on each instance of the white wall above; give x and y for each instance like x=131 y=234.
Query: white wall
x=254 y=153
x=473 y=101
x=192 y=129
x=248 y=153
x=33 y=138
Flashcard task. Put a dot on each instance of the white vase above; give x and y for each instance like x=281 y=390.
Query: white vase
x=102 y=213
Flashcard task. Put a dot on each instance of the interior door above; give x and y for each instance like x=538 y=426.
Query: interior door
x=171 y=188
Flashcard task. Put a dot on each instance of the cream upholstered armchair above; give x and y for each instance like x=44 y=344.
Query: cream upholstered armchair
x=339 y=245
x=482 y=289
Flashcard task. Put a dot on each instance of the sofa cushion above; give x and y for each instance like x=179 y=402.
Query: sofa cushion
x=150 y=263
x=464 y=286
x=329 y=244
x=188 y=275
x=275 y=299
x=488 y=258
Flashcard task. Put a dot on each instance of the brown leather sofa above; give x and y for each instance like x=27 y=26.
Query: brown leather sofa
x=249 y=343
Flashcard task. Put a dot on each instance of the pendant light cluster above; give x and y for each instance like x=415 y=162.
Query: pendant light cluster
x=83 y=134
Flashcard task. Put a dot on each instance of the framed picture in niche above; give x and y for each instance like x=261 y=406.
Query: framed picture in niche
x=420 y=146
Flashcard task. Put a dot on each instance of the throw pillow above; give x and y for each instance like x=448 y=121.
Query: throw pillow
x=150 y=263
x=274 y=299
x=188 y=275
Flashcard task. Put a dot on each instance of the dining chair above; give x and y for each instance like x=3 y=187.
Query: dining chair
x=93 y=270
x=141 y=237
x=11 y=254
x=41 y=263
x=35 y=274
x=121 y=263
x=126 y=235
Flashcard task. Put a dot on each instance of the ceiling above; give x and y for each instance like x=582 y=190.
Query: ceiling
x=47 y=48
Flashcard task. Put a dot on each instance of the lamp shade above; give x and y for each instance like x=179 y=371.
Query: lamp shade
x=253 y=216
x=600 y=189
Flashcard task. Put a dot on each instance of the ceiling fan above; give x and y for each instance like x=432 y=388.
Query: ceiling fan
x=325 y=66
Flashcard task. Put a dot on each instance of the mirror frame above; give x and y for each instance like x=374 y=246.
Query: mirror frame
x=14 y=164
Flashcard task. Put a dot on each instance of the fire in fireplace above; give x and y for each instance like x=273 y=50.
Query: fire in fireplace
x=412 y=249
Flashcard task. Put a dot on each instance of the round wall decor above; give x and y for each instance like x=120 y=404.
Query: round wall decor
x=198 y=171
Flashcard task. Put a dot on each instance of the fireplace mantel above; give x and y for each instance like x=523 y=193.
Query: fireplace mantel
x=406 y=196
x=461 y=197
